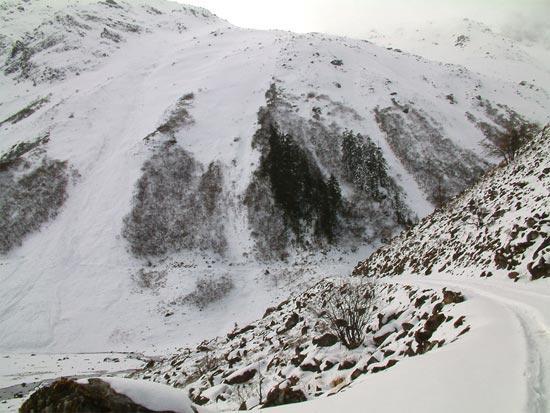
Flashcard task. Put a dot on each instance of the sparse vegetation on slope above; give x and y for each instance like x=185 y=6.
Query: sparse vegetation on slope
x=33 y=188
x=430 y=157
x=500 y=226
x=26 y=111
x=293 y=353
x=295 y=197
x=176 y=206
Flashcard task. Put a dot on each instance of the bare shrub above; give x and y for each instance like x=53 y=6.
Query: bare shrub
x=208 y=291
x=30 y=199
x=151 y=280
x=440 y=195
x=175 y=207
x=26 y=111
x=348 y=309
x=508 y=143
x=179 y=116
x=418 y=141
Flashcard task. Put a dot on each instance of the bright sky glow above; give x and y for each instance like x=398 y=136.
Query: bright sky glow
x=357 y=17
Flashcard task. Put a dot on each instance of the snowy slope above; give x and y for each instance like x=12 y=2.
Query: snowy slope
x=477 y=47
x=448 y=341
x=498 y=228
x=488 y=353
x=116 y=76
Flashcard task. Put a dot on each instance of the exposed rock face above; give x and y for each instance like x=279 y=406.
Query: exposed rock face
x=241 y=376
x=68 y=396
x=326 y=340
x=450 y=297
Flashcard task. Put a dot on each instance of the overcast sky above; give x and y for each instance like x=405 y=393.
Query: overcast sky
x=357 y=17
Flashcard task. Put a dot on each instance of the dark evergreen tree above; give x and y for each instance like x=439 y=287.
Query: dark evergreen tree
x=365 y=167
x=364 y=164
x=299 y=188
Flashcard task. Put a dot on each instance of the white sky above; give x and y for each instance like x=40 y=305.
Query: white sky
x=357 y=17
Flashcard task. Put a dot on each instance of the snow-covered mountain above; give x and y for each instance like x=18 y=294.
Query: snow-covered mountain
x=497 y=230
x=435 y=330
x=477 y=47
x=165 y=174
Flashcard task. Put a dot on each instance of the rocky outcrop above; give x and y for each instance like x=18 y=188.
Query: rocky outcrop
x=69 y=396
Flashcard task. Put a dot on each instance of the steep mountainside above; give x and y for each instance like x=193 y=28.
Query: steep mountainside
x=401 y=328
x=156 y=158
x=500 y=227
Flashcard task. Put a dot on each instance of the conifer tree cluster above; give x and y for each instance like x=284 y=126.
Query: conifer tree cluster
x=364 y=165
x=307 y=199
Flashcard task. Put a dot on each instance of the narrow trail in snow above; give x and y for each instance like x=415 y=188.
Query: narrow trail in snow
x=531 y=308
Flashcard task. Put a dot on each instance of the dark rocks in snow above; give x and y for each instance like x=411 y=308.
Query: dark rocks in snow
x=238 y=332
x=379 y=340
x=434 y=321
x=312 y=366
x=356 y=374
x=280 y=395
x=452 y=297
x=347 y=364
x=326 y=340
x=493 y=229
x=407 y=326
x=337 y=62
x=283 y=348
x=241 y=377
x=513 y=275
x=539 y=269
x=290 y=323
x=390 y=363
x=459 y=321
x=68 y=396
x=462 y=40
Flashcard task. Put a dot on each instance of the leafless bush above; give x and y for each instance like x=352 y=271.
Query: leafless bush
x=179 y=116
x=507 y=144
x=176 y=207
x=208 y=291
x=151 y=280
x=348 y=309
x=30 y=199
